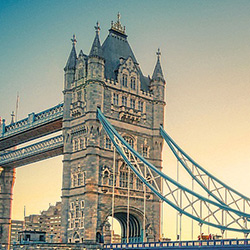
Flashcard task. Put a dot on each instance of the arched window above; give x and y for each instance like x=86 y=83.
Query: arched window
x=132 y=103
x=80 y=179
x=140 y=106
x=105 y=177
x=123 y=177
x=145 y=151
x=124 y=101
x=82 y=146
x=107 y=143
x=129 y=140
x=115 y=99
x=124 y=80
x=76 y=144
x=132 y=83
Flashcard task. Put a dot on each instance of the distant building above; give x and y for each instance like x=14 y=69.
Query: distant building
x=48 y=221
x=29 y=236
x=16 y=226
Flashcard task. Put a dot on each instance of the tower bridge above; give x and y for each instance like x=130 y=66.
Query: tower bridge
x=111 y=120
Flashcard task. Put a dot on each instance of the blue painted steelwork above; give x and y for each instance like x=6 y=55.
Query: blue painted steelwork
x=114 y=135
x=32 y=120
x=28 y=151
x=174 y=148
x=232 y=244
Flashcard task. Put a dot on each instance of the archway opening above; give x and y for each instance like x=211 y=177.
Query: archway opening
x=128 y=230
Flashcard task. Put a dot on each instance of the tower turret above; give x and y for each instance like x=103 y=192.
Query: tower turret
x=157 y=84
x=96 y=60
x=70 y=65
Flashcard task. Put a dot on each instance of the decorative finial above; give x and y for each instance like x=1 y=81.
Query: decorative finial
x=117 y=25
x=74 y=40
x=118 y=17
x=158 y=53
x=97 y=27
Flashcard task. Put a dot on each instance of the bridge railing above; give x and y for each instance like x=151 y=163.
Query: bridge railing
x=31 y=150
x=230 y=243
x=31 y=121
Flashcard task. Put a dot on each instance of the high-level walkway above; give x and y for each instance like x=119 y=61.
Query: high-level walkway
x=32 y=127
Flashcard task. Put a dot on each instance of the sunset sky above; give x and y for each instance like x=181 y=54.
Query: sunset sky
x=205 y=48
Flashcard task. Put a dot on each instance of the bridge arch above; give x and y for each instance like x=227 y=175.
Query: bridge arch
x=135 y=230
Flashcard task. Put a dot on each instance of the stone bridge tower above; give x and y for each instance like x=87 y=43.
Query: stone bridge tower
x=109 y=77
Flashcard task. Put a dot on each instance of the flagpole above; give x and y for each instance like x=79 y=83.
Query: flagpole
x=17 y=103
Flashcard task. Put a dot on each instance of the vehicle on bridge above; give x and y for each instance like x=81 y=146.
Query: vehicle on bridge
x=209 y=237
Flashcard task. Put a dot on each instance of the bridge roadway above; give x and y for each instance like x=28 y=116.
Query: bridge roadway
x=233 y=244
x=210 y=244
x=32 y=127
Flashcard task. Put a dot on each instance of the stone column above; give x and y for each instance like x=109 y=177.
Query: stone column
x=7 y=179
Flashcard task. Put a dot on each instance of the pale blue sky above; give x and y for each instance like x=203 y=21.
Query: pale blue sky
x=205 y=58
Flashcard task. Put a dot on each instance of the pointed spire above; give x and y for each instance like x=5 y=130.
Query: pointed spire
x=71 y=63
x=158 y=71
x=81 y=54
x=96 y=49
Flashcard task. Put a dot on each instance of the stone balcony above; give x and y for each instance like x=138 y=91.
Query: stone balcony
x=130 y=114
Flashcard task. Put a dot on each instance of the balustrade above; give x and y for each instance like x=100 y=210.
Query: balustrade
x=32 y=120
x=37 y=148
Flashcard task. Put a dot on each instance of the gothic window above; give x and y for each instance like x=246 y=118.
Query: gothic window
x=123 y=178
x=75 y=144
x=80 y=179
x=105 y=176
x=82 y=146
x=77 y=178
x=129 y=140
x=77 y=212
x=132 y=103
x=107 y=143
x=132 y=83
x=72 y=205
x=115 y=99
x=140 y=106
x=124 y=80
x=145 y=151
x=124 y=101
